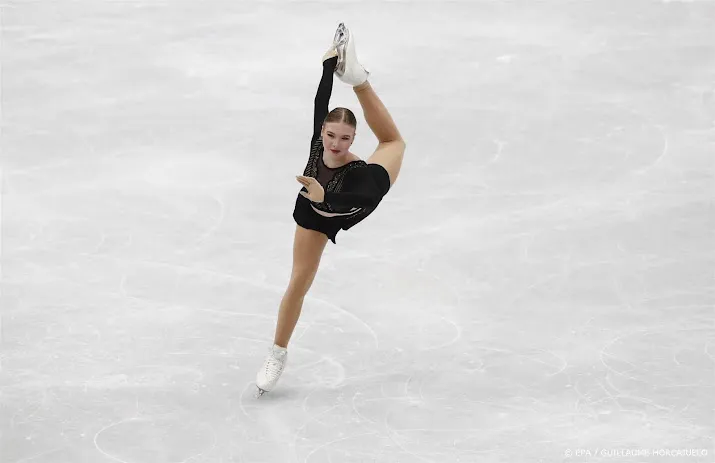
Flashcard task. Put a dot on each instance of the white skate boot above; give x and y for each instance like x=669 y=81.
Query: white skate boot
x=348 y=69
x=268 y=375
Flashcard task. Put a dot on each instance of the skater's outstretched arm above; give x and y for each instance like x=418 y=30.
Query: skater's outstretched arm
x=322 y=97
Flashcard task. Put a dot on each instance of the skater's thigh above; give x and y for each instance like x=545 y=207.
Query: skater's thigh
x=308 y=247
x=389 y=155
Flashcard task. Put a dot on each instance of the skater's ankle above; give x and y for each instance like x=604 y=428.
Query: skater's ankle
x=362 y=86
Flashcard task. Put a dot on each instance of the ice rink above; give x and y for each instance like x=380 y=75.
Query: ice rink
x=537 y=287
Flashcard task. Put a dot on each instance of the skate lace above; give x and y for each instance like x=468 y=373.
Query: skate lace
x=274 y=366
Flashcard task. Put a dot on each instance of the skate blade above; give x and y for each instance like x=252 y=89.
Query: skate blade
x=259 y=393
x=346 y=50
x=341 y=47
x=339 y=33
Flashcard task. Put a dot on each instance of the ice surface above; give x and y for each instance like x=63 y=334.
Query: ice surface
x=539 y=281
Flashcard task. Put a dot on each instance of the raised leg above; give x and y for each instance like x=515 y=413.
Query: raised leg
x=376 y=114
x=391 y=149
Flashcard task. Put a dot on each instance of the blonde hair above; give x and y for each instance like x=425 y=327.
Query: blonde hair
x=342 y=115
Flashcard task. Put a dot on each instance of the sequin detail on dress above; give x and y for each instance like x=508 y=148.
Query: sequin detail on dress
x=335 y=184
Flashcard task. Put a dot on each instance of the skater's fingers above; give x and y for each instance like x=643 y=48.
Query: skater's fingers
x=306 y=180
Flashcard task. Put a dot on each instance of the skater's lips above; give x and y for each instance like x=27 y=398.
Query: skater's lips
x=335 y=151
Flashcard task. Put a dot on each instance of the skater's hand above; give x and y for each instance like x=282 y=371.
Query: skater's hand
x=315 y=193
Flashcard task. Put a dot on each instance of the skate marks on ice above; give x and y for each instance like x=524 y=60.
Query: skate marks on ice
x=668 y=379
x=166 y=438
x=598 y=373
x=429 y=415
x=181 y=348
x=514 y=402
x=393 y=410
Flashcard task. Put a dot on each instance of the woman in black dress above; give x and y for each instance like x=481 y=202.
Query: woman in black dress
x=339 y=189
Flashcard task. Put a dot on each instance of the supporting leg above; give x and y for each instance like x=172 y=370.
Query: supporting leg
x=288 y=315
x=308 y=247
x=391 y=150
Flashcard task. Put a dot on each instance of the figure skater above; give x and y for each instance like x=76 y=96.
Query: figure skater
x=339 y=189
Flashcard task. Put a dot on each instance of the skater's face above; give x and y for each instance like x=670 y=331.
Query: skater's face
x=337 y=137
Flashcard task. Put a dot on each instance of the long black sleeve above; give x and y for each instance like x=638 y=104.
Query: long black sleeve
x=359 y=190
x=322 y=97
